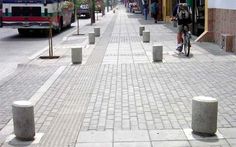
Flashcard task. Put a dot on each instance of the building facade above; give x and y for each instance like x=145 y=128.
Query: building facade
x=220 y=20
x=212 y=19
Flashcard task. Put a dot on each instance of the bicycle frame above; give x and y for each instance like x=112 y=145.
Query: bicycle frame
x=186 y=40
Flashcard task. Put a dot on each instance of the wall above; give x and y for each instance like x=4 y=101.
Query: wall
x=221 y=19
x=222 y=4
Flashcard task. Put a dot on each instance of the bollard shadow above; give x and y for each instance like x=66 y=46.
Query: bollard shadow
x=15 y=142
x=182 y=55
x=203 y=137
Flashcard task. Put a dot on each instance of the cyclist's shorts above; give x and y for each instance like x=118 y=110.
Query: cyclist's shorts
x=180 y=28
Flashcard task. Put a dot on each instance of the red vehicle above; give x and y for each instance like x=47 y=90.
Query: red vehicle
x=0 y=13
x=26 y=15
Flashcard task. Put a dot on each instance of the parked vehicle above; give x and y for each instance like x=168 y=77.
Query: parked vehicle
x=84 y=11
x=0 y=13
x=28 y=15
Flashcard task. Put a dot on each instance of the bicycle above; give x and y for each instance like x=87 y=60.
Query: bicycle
x=186 y=40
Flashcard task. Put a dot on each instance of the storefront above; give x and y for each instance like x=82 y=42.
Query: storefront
x=160 y=10
x=220 y=22
x=198 y=8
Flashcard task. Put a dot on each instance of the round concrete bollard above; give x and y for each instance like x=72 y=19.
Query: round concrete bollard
x=97 y=32
x=23 y=119
x=157 y=53
x=91 y=38
x=146 y=36
x=76 y=55
x=141 y=29
x=204 y=115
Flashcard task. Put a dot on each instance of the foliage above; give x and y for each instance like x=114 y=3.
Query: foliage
x=79 y=2
x=68 y=5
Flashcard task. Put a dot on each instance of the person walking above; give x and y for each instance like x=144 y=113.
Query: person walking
x=145 y=9
x=154 y=10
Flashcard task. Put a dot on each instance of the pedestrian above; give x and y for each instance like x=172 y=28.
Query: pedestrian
x=145 y=9
x=154 y=10
x=130 y=7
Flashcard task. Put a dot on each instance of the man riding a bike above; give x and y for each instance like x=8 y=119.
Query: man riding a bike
x=183 y=14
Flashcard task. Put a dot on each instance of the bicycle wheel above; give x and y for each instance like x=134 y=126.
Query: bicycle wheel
x=186 y=46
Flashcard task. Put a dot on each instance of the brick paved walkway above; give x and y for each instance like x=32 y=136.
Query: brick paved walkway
x=119 y=98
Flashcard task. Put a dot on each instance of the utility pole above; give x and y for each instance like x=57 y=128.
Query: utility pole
x=77 y=20
x=92 y=6
x=107 y=5
x=111 y=4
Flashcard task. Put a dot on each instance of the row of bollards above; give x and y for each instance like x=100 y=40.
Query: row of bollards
x=23 y=111
x=157 y=50
x=204 y=109
x=204 y=117
x=76 y=53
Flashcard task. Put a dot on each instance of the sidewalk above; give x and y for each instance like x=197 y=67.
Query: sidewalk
x=119 y=98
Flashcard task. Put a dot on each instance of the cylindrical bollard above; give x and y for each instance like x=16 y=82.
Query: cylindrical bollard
x=23 y=119
x=141 y=29
x=91 y=38
x=157 y=53
x=146 y=36
x=97 y=32
x=76 y=55
x=204 y=115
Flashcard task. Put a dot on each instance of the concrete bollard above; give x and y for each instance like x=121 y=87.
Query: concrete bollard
x=146 y=36
x=204 y=115
x=76 y=55
x=141 y=29
x=23 y=119
x=91 y=38
x=157 y=53
x=97 y=32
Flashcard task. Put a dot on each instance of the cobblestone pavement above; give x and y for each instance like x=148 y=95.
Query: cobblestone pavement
x=119 y=98
x=21 y=86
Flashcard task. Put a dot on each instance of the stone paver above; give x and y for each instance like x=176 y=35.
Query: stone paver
x=119 y=97
x=171 y=144
x=21 y=86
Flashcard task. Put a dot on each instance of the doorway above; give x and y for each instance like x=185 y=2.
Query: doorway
x=198 y=26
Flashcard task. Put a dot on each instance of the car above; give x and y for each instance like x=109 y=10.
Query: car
x=83 y=11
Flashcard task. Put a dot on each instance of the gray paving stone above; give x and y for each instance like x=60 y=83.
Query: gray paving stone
x=171 y=144
x=132 y=144
x=228 y=132
x=94 y=145
x=158 y=135
x=232 y=142
x=209 y=143
x=95 y=137
x=133 y=135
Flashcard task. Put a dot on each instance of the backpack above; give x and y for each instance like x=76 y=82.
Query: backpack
x=183 y=12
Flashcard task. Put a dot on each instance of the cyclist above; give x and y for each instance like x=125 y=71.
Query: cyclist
x=183 y=13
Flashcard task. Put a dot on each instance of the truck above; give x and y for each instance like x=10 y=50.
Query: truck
x=26 y=15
